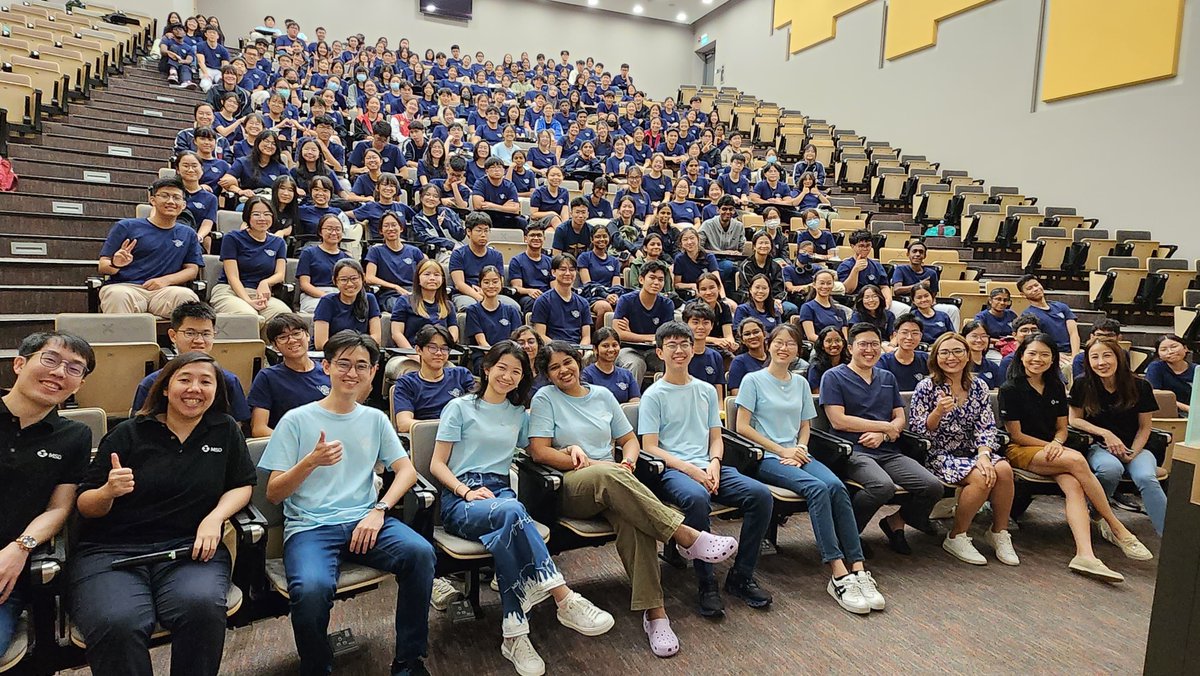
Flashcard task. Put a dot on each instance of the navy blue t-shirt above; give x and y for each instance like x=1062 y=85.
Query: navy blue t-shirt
x=525 y=181
x=425 y=399
x=202 y=204
x=249 y=180
x=740 y=188
x=564 y=319
x=395 y=267
x=158 y=252
x=542 y=200
x=655 y=188
x=279 y=389
x=908 y=376
x=566 y=239
x=874 y=273
x=372 y=213
x=533 y=274
x=309 y=215
x=340 y=316
x=741 y=366
x=495 y=325
x=747 y=310
x=404 y=311
x=689 y=271
x=620 y=382
x=256 y=260
x=823 y=241
x=996 y=327
x=989 y=372
x=641 y=320
x=709 y=367
x=391 y=155
x=1054 y=322
x=465 y=260
x=684 y=212
x=317 y=264
x=904 y=275
x=822 y=316
x=600 y=270
x=841 y=386
x=934 y=325
x=496 y=194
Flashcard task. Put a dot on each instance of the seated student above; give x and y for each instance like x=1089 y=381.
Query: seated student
x=774 y=408
x=199 y=202
x=179 y=55
x=1103 y=328
x=864 y=407
x=321 y=459
x=423 y=393
x=392 y=265
x=953 y=410
x=496 y=195
x=574 y=236
x=764 y=261
x=560 y=313
x=1033 y=406
x=692 y=261
x=752 y=357
x=633 y=189
x=600 y=276
x=351 y=308
x=387 y=193
x=708 y=291
x=597 y=203
x=1111 y=403
x=311 y=165
x=37 y=489
x=771 y=190
x=724 y=234
x=1022 y=327
x=821 y=312
x=869 y=308
x=365 y=182
x=310 y=214
x=906 y=278
x=824 y=244
x=605 y=372
x=295 y=381
x=433 y=164
x=427 y=303
x=285 y=202
x=774 y=230
x=545 y=154
x=980 y=366
x=624 y=232
x=437 y=228
x=474 y=448
x=583 y=165
x=181 y=499
x=456 y=191
x=204 y=117
x=258 y=170
x=521 y=175
x=809 y=165
x=638 y=315
x=467 y=261
x=809 y=192
x=1172 y=371
x=679 y=422
x=707 y=365
x=683 y=210
x=144 y=266
x=192 y=329
x=214 y=167
x=798 y=275
x=573 y=427
x=489 y=321
x=997 y=319
x=933 y=322
x=905 y=362
x=548 y=203
x=861 y=269
x=1055 y=317
x=314 y=272
x=661 y=224
x=380 y=141
x=529 y=271
x=618 y=164
x=735 y=183
x=829 y=350
x=253 y=260
x=759 y=304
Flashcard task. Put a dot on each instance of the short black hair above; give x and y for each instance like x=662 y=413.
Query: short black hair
x=322 y=119
x=458 y=163
x=653 y=266
x=427 y=333
x=349 y=339
x=283 y=323
x=908 y=318
x=863 y=235
x=559 y=259
x=1107 y=324
x=673 y=329
x=168 y=182
x=861 y=328
x=194 y=309
x=34 y=342
x=492 y=161
x=579 y=202
x=1023 y=280
x=1024 y=320
x=477 y=218
x=727 y=201
x=698 y=309
x=207 y=132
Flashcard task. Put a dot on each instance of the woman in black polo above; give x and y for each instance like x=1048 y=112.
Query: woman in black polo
x=164 y=480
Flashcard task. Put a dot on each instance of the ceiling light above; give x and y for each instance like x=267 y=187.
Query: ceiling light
x=593 y=3
x=431 y=7
x=638 y=9
x=707 y=2
x=681 y=17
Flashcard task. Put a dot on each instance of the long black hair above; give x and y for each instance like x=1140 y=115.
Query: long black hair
x=285 y=216
x=879 y=317
x=1053 y=375
x=361 y=307
x=519 y=396
x=820 y=358
x=256 y=156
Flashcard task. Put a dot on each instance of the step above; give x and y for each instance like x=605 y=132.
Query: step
x=14 y=328
x=101 y=161
x=129 y=133
x=28 y=245
x=83 y=172
x=46 y=272
x=35 y=299
x=140 y=93
x=41 y=204
x=134 y=107
x=99 y=120
x=136 y=147
x=120 y=111
x=1143 y=335
x=56 y=224
x=84 y=190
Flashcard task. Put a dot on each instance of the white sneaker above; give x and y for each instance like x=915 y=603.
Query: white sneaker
x=581 y=615
x=444 y=593
x=521 y=653
x=848 y=595
x=1002 y=543
x=870 y=591
x=960 y=546
x=1130 y=546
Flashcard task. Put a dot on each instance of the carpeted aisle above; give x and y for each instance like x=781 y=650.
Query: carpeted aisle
x=943 y=617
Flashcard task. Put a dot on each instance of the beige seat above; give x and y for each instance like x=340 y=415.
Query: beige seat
x=127 y=351
x=243 y=358
x=22 y=101
x=1045 y=250
x=94 y=418
x=1116 y=282
x=1176 y=276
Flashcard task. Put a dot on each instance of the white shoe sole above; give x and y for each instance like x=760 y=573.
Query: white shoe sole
x=1097 y=574
x=589 y=631
x=981 y=562
x=865 y=610
x=523 y=672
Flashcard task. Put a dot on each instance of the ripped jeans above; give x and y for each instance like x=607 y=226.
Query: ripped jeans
x=525 y=572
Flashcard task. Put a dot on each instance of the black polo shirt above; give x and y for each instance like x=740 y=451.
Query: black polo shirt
x=1123 y=423
x=176 y=484
x=33 y=461
x=1037 y=413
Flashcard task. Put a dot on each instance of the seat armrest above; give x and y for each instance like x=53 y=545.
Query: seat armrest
x=1158 y=443
x=914 y=445
x=741 y=453
x=47 y=561
x=830 y=449
x=250 y=525
x=200 y=287
x=1078 y=439
x=956 y=302
x=93 y=284
x=538 y=488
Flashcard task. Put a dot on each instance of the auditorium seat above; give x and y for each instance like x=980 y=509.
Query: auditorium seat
x=126 y=352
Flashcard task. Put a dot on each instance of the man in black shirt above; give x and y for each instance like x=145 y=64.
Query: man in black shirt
x=42 y=458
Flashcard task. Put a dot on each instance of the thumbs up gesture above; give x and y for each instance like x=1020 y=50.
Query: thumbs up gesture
x=325 y=453
x=120 y=479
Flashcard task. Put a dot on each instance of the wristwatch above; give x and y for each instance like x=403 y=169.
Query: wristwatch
x=382 y=506
x=27 y=543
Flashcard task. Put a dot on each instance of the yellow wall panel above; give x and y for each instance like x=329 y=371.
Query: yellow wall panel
x=811 y=21
x=912 y=25
x=1094 y=45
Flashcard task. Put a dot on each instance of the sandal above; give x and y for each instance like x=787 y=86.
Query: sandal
x=663 y=641
x=709 y=548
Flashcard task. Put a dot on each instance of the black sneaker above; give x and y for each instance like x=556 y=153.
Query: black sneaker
x=711 y=604
x=896 y=539
x=1128 y=502
x=410 y=668
x=747 y=590
x=868 y=552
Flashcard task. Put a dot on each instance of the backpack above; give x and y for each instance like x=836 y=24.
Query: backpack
x=8 y=177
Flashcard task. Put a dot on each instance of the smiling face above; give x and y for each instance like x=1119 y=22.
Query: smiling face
x=168 y=201
x=999 y=303
x=349 y=369
x=192 y=390
x=1103 y=360
x=977 y=339
x=47 y=386
x=752 y=336
x=1037 y=358
x=563 y=371
x=760 y=290
x=952 y=355
x=349 y=282
x=505 y=375
x=708 y=291
x=1033 y=291
x=823 y=285
x=908 y=336
x=923 y=299
x=189 y=169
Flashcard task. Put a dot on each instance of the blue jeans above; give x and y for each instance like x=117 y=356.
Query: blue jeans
x=735 y=490
x=829 y=507
x=1143 y=470
x=726 y=268
x=311 y=559
x=789 y=309
x=525 y=572
x=184 y=70
x=10 y=610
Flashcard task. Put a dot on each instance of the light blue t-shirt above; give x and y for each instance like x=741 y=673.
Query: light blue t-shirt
x=591 y=422
x=681 y=416
x=484 y=435
x=335 y=494
x=776 y=408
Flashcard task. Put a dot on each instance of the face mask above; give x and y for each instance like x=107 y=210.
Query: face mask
x=361 y=77
x=395 y=86
x=813 y=223
x=332 y=86
x=770 y=160
x=284 y=92
x=773 y=223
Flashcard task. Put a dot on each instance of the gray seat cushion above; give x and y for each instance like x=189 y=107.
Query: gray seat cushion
x=591 y=528
x=351 y=576
x=462 y=548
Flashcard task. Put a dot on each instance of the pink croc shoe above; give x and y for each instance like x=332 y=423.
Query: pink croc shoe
x=709 y=548
x=663 y=641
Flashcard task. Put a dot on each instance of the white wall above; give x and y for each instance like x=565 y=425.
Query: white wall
x=1127 y=157
x=155 y=8
x=659 y=53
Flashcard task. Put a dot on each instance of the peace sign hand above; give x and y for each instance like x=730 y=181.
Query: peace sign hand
x=124 y=256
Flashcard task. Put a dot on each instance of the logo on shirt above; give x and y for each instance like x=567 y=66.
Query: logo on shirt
x=47 y=454
x=177 y=242
x=654 y=321
x=545 y=273
x=215 y=170
x=210 y=449
x=709 y=370
x=502 y=195
x=575 y=314
x=608 y=267
x=1062 y=315
x=504 y=322
x=198 y=205
x=1054 y=402
x=456 y=392
x=323 y=389
x=940 y=324
x=408 y=261
x=270 y=252
x=623 y=386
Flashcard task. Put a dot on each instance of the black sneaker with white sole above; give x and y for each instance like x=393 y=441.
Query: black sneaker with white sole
x=746 y=589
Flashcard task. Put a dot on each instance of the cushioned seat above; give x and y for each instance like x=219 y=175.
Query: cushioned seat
x=855 y=484
x=1034 y=477
x=461 y=548
x=233 y=601
x=19 y=646
x=351 y=576
x=588 y=528
x=784 y=494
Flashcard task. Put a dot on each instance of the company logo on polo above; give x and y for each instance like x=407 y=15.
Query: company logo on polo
x=408 y=261
x=43 y=453
x=575 y=314
x=270 y=252
x=210 y=449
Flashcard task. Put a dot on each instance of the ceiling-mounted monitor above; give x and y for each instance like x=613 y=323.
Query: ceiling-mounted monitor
x=450 y=9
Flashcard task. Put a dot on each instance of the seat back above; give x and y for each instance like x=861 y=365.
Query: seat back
x=94 y=418
x=237 y=327
x=243 y=358
x=272 y=513
x=108 y=328
x=120 y=368
x=422 y=437
x=631 y=413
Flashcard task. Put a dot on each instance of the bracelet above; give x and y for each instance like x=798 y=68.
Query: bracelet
x=464 y=492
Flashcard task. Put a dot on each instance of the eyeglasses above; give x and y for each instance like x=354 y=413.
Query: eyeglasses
x=170 y=197
x=289 y=337
x=438 y=349
x=957 y=352
x=868 y=346
x=192 y=334
x=677 y=347
x=787 y=345
x=51 y=360
x=344 y=366
x=348 y=280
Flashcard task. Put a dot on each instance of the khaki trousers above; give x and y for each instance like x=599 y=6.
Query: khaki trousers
x=133 y=299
